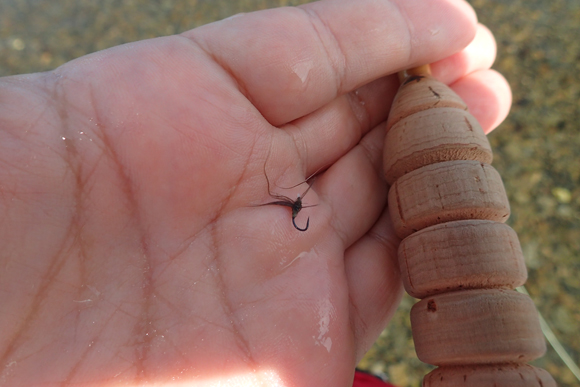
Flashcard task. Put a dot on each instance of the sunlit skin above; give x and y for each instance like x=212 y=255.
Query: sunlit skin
x=128 y=178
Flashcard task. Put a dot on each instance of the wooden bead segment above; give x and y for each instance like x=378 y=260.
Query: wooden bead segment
x=502 y=375
x=432 y=136
x=461 y=255
x=448 y=205
x=479 y=326
x=412 y=98
x=444 y=192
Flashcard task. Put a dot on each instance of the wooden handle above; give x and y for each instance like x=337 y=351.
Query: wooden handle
x=449 y=205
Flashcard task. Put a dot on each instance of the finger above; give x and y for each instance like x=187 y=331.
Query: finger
x=356 y=193
x=349 y=117
x=478 y=55
x=355 y=189
x=374 y=282
x=291 y=61
x=488 y=96
x=327 y=134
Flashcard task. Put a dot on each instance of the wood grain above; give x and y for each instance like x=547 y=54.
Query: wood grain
x=480 y=326
x=465 y=254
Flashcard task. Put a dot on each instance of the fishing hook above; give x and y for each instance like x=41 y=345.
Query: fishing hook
x=295 y=205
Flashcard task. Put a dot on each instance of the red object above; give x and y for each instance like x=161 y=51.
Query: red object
x=363 y=379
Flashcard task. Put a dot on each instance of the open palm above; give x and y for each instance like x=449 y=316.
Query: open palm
x=134 y=247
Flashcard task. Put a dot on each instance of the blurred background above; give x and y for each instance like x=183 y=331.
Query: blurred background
x=537 y=149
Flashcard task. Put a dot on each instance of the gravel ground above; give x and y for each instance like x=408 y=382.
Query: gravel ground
x=536 y=150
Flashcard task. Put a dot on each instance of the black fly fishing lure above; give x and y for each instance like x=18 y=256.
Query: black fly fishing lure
x=295 y=205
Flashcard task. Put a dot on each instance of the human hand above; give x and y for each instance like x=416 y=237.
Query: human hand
x=132 y=248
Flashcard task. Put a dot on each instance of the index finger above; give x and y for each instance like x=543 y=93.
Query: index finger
x=291 y=61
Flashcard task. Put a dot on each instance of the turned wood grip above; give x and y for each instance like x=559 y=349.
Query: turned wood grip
x=448 y=204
